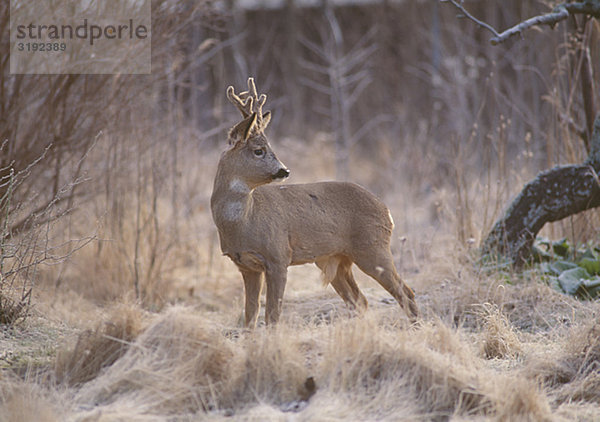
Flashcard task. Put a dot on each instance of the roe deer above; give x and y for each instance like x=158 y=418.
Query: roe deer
x=266 y=228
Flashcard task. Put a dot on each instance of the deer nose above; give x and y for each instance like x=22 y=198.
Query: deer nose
x=281 y=174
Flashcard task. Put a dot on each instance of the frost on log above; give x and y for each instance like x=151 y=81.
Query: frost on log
x=553 y=195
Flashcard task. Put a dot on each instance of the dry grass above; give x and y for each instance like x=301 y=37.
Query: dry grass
x=572 y=376
x=192 y=363
x=145 y=323
x=25 y=401
x=98 y=348
x=499 y=337
x=177 y=366
x=485 y=349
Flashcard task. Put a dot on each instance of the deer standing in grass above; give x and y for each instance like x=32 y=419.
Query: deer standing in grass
x=266 y=228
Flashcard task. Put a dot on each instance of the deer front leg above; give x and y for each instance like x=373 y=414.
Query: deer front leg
x=252 y=286
x=276 y=278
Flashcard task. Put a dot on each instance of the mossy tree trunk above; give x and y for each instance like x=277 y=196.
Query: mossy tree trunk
x=553 y=195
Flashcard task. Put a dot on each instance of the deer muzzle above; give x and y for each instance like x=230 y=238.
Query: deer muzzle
x=281 y=174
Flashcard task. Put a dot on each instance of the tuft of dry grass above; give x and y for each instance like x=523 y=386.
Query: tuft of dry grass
x=178 y=365
x=99 y=348
x=362 y=360
x=519 y=399
x=573 y=375
x=500 y=340
x=22 y=401
x=269 y=367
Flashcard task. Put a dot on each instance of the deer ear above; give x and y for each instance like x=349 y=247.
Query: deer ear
x=241 y=131
x=266 y=118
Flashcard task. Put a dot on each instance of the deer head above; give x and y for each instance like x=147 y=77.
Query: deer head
x=251 y=160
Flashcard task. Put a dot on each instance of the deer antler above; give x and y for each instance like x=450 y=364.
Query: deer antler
x=248 y=102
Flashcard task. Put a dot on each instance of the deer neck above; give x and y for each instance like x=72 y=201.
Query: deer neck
x=231 y=200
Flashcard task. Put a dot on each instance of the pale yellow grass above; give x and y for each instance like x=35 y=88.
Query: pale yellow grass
x=189 y=363
x=484 y=349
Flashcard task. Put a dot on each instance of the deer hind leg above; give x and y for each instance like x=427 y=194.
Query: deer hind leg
x=337 y=271
x=382 y=269
x=253 y=283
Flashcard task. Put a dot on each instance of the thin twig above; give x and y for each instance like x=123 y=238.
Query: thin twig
x=460 y=7
x=558 y=14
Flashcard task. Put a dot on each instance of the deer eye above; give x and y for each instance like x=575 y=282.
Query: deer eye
x=259 y=152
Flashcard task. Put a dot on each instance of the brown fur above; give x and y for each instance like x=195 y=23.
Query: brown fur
x=266 y=228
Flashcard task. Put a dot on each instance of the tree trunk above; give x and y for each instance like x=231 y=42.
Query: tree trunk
x=553 y=195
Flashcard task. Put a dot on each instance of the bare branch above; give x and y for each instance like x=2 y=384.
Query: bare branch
x=466 y=14
x=558 y=14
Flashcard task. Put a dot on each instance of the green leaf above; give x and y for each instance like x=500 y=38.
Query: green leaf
x=589 y=254
x=540 y=255
x=559 y=267
x=561 y=247
x=590 y=289
x=543 y=241
x=554 y=284
x=571 y=280
x=591 y=265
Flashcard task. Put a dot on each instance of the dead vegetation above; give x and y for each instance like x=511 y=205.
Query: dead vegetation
x=144 y=322
x=185 y=362
x=98 y=348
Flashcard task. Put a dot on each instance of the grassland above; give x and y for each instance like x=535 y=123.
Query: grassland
x=485 y=348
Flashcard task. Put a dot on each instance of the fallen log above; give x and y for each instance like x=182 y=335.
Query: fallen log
x=553 y=195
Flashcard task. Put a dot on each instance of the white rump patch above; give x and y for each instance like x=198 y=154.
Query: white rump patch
x=237 y=185
x=390 y=217
x=233 y=211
